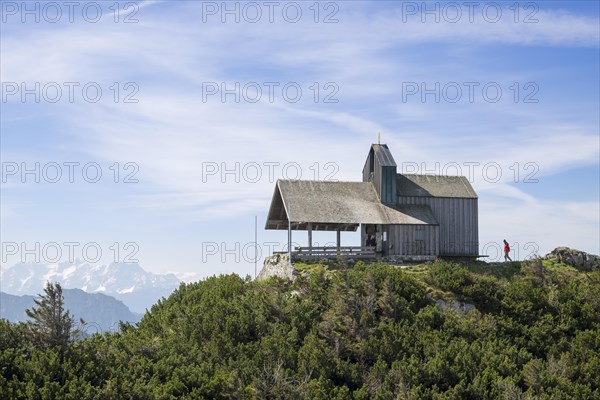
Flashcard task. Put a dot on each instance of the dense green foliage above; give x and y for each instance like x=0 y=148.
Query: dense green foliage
x=368 y=331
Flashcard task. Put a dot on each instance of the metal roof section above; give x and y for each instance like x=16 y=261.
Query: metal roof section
x=384 y=155
x=412 y=214
x=337 y=205
x=435 y=186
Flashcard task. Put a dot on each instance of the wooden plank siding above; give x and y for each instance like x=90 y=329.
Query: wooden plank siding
x=458 y=223
x=413 y=240
x=388 y=192
x=377 y=178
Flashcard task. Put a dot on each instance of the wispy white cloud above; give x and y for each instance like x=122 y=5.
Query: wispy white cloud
x=172 y=131
x=538 y=226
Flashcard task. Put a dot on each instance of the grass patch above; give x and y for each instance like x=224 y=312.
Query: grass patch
x=502 y=273
x=555 y=265
x=562 y=272
x=498 y=270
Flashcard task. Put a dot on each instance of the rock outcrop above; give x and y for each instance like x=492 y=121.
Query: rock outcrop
x=277 y=265
x=458 y=306
x=575 y=258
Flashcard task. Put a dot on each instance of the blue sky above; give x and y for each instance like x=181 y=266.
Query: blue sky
x=367 y=62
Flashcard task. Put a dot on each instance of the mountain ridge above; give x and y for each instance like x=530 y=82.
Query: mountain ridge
x=100 y=312
x=127 y=282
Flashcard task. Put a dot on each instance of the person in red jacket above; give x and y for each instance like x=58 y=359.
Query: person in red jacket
x=506 y=251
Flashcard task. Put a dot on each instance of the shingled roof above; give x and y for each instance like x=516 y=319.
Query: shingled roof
x=435 y=186
x=337 y=205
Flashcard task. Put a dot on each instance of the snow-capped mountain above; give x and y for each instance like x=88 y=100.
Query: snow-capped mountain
x=128 y=282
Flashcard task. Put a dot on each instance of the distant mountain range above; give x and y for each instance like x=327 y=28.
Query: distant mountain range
x=100 y=312
x=128 y=282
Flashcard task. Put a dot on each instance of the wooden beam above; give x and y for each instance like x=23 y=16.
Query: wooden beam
x=309 y=238
x=278 y=221
x=290 y=240
x=284 y=224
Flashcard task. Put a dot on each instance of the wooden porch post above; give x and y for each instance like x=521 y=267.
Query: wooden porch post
x=338 y=234
x=310 y=238
x=290 y=240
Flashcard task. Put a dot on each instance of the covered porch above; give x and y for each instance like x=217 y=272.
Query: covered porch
x=312 y=252
x=335 y=207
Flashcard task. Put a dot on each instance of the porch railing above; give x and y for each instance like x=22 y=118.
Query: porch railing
x=303 y=253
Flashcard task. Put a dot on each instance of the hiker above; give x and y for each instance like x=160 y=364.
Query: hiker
x=506 y=251
x=370 y=241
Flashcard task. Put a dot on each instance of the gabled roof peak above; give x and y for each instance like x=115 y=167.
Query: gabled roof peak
x=384 y=155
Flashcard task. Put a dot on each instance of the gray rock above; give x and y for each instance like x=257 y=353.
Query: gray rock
x=576 y=258
x=458 y=306
x=277 y=265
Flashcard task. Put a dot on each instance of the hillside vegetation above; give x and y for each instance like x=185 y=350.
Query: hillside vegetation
x=336 y=332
